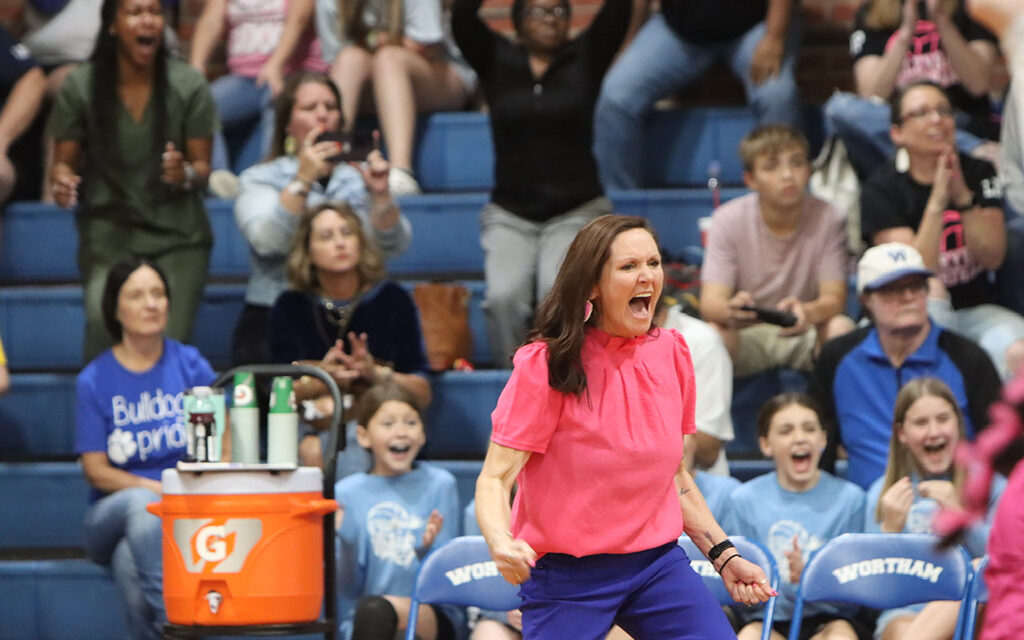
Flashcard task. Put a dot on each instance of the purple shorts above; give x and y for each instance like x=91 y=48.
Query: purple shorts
x=653 y=595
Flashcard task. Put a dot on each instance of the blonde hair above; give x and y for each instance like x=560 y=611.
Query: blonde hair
x=302 y=273
x=901 y=461
x=767 y=139
x=887 y=14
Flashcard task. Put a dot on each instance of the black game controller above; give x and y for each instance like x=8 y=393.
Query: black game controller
x=772 y=316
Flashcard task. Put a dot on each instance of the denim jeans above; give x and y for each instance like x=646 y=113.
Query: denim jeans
x=658 y=62
x=863 y=126
x=240 y=105
x=121 y=534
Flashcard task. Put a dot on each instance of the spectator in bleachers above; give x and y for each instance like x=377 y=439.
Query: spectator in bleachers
x=389 y=518
x=136 y=124
x=5 y=376
x=301 y=174
x=948 y=205
x=858 y=376
x=129 y=428
x=793 y=511
x=342 y=315
x=897 y=42
x=920 y=477
x=541 y=92
x=22 y=87
x=403 y=50
x=778 y=248
x=759 y=39
x=712 y=370
x=244 y=99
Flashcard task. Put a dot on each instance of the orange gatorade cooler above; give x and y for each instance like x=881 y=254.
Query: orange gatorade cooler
x=243 y=547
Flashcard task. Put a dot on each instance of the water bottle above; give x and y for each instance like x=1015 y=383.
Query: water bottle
x=203 y=425
x=245 y=420
x=282 y=423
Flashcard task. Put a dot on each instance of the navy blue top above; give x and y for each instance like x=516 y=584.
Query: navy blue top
x=15 y=61
x=300 y=328
x=857 y=385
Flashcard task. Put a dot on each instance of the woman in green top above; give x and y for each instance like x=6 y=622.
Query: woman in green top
x=133 y=132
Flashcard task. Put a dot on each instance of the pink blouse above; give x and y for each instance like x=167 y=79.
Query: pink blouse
x=601 y=475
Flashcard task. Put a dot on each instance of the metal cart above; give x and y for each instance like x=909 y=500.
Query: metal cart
x=328 y=625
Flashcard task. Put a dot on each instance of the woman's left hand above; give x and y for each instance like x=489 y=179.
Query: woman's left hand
x=172 y=166
x=746 y=582
x=360 y=360
x=375 y=170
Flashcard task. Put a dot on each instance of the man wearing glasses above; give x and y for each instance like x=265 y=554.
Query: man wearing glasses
x=858 y=375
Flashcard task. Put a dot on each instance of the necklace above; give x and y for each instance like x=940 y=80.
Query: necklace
x=340 y=315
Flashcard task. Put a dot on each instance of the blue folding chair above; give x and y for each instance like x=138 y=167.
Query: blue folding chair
x=881 y=571
x=977 y=592
x=461 y=573
x=751 y=550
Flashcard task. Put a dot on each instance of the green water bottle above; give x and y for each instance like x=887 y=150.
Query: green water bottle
x=282 y=423
x=245 y=420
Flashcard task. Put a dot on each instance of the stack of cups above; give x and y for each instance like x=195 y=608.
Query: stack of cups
x=282 y=423
x=245 y=420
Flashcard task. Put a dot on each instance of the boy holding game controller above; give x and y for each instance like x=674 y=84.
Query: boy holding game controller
x=774 y=275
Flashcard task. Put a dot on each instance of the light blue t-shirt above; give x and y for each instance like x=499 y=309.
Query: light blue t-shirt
x=764 y=511
x=716 y=491
x=382 y=530
x=923 y=510
x=137 y=418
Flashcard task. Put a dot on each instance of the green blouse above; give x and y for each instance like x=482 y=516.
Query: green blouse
x=124 y=206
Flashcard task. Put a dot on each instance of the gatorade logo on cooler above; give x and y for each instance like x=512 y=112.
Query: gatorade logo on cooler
x=209 y=545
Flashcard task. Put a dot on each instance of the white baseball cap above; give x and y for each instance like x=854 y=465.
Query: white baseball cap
x=886 y=263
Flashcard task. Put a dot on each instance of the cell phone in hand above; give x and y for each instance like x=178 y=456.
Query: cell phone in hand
x=772 y=316
x=355 y=146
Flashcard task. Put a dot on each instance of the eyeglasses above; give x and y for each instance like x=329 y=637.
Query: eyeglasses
x=943 y=111
x=537 y=12
x=900 y=287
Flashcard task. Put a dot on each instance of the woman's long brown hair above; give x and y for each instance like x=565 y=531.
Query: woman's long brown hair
x=559 y=320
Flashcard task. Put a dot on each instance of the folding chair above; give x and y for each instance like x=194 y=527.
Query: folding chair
x=977 y=592
x=881 y=571
x=753 y=551
x=461 y=573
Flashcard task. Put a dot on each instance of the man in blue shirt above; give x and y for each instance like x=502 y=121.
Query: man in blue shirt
x=858 y=375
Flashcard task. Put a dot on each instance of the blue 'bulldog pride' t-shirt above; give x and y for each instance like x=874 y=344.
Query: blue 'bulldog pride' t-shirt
x=137 y=418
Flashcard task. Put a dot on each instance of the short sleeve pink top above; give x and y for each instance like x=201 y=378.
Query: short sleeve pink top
x=254 y=29
x=601 y=475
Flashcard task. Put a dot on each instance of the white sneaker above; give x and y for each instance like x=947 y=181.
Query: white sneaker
x=223 y=184
x=402 y=183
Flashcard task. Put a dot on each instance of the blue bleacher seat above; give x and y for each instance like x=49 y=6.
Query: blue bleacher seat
x=58 y=600
x=43 y=503
x=445 y=234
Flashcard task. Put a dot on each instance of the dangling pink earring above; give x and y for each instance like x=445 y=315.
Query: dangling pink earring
x=588 y=309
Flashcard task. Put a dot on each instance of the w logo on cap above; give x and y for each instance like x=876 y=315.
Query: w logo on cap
x=898 y=255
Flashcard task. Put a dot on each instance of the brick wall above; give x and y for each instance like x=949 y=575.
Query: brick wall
x=824 y=63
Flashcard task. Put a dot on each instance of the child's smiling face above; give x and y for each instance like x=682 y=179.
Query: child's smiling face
x=394 y=436
x=795 y=441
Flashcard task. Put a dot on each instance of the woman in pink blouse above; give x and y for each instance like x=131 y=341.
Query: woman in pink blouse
x=591 y=426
